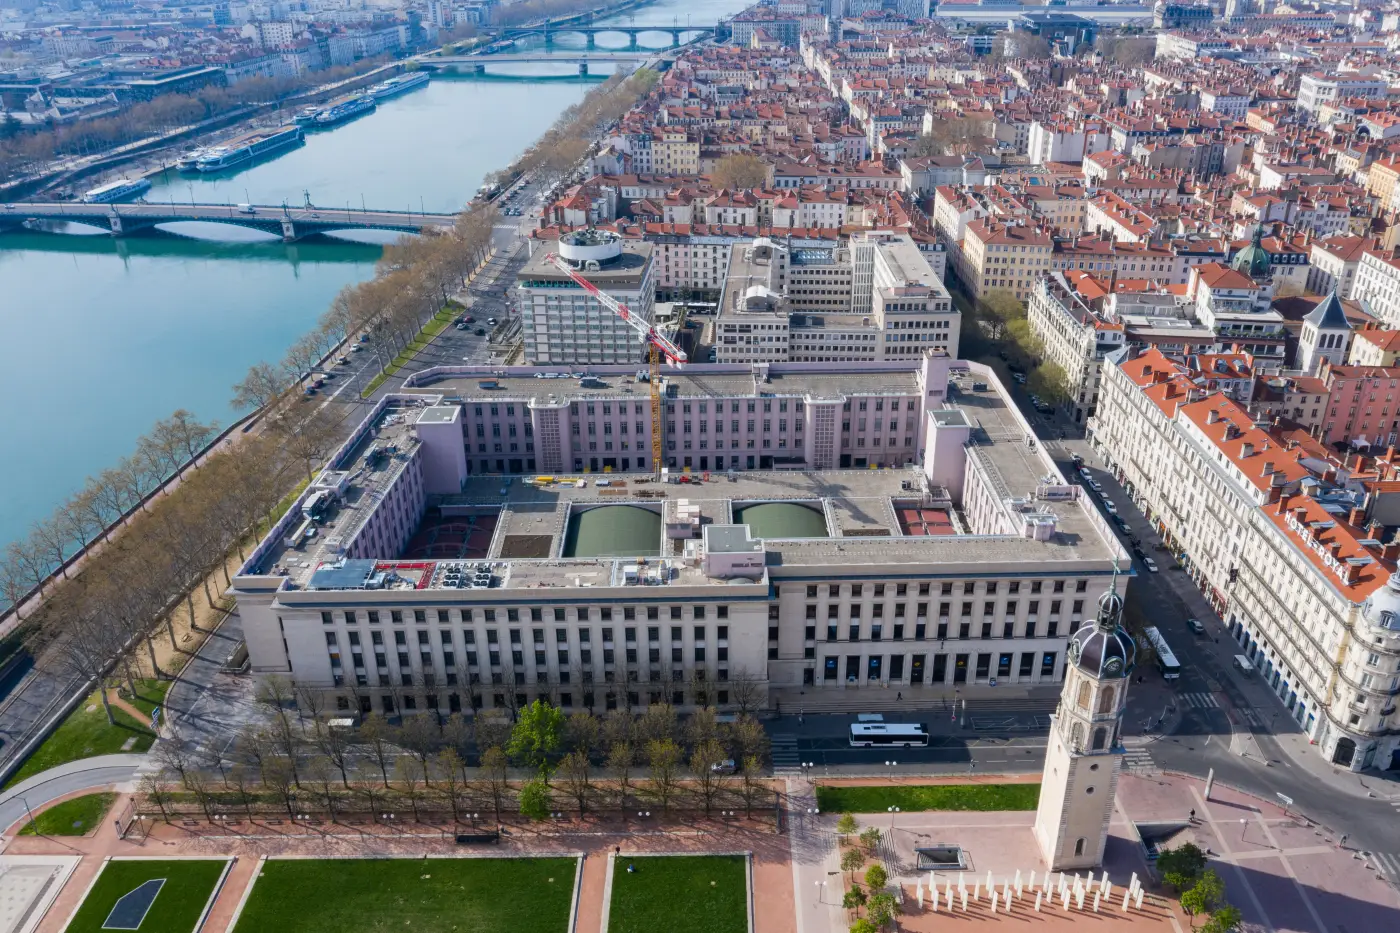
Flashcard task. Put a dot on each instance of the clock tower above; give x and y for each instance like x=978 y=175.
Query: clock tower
x=1085 y=750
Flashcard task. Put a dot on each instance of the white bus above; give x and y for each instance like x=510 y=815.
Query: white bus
x=1166 y=661
x=881 y=734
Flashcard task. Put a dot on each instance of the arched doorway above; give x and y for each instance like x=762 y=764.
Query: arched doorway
x=1344 y=752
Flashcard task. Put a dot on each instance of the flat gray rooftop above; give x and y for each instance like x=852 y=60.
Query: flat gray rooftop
x=691 y=382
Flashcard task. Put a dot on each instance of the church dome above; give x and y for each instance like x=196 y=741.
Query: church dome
x=1102 y=648
x=1254 y=260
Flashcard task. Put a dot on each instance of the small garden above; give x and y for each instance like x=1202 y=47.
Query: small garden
x=679 y=894
x=872 y=904
x=1200 y=891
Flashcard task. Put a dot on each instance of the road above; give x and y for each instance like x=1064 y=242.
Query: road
x=1223 y=712
x=79 y=775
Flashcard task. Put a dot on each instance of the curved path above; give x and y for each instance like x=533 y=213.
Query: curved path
x=84 y=774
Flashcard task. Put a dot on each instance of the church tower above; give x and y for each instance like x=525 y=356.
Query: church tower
x=1085 y=749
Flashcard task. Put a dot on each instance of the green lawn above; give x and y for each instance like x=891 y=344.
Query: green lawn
x=472 y=895
x=74 y=817
x=188 y=883
x=680 y=894
x=86 y=734
x=928 y=797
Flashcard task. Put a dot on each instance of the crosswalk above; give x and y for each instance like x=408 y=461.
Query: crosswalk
x=1200 y=700
x=1388 y=864
x=786 y=762
x=1138 y=760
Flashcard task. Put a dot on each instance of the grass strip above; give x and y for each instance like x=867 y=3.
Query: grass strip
x=914 y=798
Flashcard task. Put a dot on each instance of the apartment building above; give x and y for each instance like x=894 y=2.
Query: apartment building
x=1074 y=337
x=876 y=299
x=1378 y=284
x=1332 y=264
x=562 y=322
x=428 y=587
x=1004 y=256
x=1317 y=90
x=1283 y=554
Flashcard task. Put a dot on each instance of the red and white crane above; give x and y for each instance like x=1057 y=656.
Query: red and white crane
x=659 y=347
x=672 y=353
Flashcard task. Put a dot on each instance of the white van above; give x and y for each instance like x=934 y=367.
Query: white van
x=1243 y=665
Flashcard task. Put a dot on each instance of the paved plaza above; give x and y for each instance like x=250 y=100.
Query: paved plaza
x=1284 y=874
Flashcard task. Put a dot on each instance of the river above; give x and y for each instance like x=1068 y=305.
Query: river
x=104 y=336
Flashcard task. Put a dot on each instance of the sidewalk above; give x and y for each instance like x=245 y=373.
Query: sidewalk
x=857 y=698
x=1220 y=648
x=85 y=774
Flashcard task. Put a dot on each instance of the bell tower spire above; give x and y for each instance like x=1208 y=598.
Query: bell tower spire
x=1085 y=750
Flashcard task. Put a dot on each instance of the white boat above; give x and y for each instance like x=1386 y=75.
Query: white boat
x=249 y=147
x=117 y=190
x=399 y=84
x=189 y=161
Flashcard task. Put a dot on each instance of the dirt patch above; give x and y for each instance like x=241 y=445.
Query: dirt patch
x=526 y=546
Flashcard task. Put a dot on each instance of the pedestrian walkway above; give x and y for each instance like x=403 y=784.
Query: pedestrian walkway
x=1139 y=761
x=1200 y=700
x=786 y=761
x=1387 y=864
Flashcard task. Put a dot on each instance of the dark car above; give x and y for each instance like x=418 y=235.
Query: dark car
x=1141 y=554
x=481 y=332
x=1196 y=626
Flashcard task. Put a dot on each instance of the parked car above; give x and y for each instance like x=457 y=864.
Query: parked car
x=727 y=766
x=1122 y=525
x=481 y=332
x=1150 y=564
x=1196 y=626
x=1141 y=554
x=1109 y=507
x=343 y=360
x=1084 y=472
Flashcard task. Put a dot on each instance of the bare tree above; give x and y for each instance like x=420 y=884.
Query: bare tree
x=494 y=764
x=279 y=776
x=450 y=782
x=275 y=695
x=574 y=773
x=263 y=384
x=709 y=777
x=746 y=693
x=621 y=759
x=420 y=735
x=172 y=755
x=663 y=760
x=322 y=774
x=376 y=732
x=583 y=732
x=242 y=782
x=152 y=785
x=408 y=779
x=334 y=744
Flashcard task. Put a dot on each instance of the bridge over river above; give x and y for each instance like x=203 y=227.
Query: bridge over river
x=290 y=223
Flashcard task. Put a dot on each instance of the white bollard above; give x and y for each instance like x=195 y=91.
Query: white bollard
x=976 y=890
x=994 y=902
x=1031 y=884
x=1104 y=880
x=1134 y=882
x=935 y=898
x=989 y=879
x=1107 y=889
x=1127 y=895
x=919 y=892
x=1038 y=896
x=950 y=898
x=1097 y=895
x=1018 y=877
x=1079 y=899
x=1064 y=898
x=1139 y=899
x=964 y=901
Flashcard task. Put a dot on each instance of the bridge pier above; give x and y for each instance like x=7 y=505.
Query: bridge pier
x=675 y=37
x=632 y=40
x=591 y=42
x=583 y=69
x=289 y=232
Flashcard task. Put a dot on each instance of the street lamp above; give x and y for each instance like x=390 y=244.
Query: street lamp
x=892 y=811
x=891 y=765
x=821 y=889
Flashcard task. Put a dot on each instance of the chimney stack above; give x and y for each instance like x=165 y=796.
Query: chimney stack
x=1246 y=450
x=1355 y=517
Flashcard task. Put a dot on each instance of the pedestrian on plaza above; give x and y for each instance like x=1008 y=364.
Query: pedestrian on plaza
x=898 y=695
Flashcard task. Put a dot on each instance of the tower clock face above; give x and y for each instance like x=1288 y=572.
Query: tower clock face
x=1113 y=666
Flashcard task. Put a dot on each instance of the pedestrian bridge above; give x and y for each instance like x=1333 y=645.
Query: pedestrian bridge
x=290 y=223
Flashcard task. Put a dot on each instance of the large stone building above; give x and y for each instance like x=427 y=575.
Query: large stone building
x=405 y=580
x=1290 y=557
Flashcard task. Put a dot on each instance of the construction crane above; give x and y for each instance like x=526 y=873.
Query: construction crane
x=658 y=348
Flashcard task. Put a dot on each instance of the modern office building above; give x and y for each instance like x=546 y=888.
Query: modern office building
x=875 y=299
x=405 y=579
x=562 y=323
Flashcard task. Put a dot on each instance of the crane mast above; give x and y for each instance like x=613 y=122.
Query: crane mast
x=658 y=348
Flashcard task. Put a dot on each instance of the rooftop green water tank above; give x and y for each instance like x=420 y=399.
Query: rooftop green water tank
x=614 y=531
x=782 y=520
